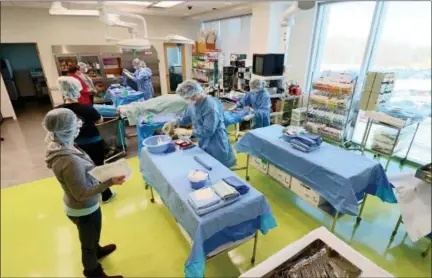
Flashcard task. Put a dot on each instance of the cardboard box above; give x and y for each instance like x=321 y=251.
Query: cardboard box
x=201 y=47
x=306 y=193
x=279 y=175
x=259 y=164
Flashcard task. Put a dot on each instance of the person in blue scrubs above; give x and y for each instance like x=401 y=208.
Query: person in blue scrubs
x=206 y=115
x=142 y=77
x=259 y=100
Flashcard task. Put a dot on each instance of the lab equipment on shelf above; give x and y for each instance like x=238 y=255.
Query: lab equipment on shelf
x=377 y=90
x=214 y=232
x=306 y=258
x=331 y=109
x=388 y=139
x=328 y=171
x=298 y=116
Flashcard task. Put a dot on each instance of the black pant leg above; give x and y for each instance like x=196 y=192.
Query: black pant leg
x=89 y=229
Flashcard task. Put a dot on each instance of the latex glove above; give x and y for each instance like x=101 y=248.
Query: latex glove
x=248 y=117
x=118 y=180
x=182 y=132
x=169 y=126
x=233 y=108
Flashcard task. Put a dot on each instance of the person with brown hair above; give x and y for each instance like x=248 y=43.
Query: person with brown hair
x=85 y=93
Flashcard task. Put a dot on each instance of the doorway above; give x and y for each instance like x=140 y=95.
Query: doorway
x=175 y=65
x=24 y=78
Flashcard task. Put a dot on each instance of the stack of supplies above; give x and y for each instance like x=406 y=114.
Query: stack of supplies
x=306 y=142
x=225 y=192
x=211 y=198
x=238 y=185
x=204 y=200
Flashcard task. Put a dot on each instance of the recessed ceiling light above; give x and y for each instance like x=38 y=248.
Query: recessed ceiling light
x=166 y=4
x=138 y=3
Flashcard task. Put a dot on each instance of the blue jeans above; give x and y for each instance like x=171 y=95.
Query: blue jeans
x=89 y=230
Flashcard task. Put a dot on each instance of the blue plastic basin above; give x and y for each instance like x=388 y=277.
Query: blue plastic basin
x=152 y=145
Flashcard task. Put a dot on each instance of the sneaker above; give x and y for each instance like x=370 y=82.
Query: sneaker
x=110 y=198
x=106 y=250
x=98 y=273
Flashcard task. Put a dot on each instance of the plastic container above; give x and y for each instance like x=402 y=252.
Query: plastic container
x=157 y=144
x=198 y=184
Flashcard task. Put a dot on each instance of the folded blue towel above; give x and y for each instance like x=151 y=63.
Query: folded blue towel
x=206 y=210
x=214 y=207
x=238 y=185
x=299 y=145
x=316 y=138
x=198 y=198
x=307 y=140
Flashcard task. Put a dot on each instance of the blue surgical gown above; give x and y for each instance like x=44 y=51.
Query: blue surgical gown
x=142 y=77
x=260 y=103
x=208 y=126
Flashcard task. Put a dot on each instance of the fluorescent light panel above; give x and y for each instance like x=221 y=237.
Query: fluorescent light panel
x=166 y=4
x=138 y=3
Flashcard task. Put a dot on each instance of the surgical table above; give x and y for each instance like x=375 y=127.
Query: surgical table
x=213 y=233
x=333 y=179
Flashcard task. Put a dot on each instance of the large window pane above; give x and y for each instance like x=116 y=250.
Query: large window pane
x=233 y=36
x=404 y=47
x=344 y=36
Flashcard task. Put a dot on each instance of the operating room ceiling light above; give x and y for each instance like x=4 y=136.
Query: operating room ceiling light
x=58 y=9
x=166 y=4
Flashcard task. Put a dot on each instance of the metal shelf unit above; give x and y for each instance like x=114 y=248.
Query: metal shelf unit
x=339 y=115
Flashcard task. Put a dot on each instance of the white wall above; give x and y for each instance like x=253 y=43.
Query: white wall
x=299 y=46
x=6 y=105
x=36 y=25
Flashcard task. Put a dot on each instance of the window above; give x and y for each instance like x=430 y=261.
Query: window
x=344 y=35
x=390 y=36
x=233 y=35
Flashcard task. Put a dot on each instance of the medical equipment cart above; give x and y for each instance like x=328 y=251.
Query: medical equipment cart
x=396 y=228
x=331 y=109
x=413 y=196
x=399 y=125
x=111 y=131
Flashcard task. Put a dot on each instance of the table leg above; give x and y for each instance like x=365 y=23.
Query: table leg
x=410 y=145
x=152 y=195
x=396 y=227
x=426 y=252
x=391 y=153
x=335 y=218
x=247 y=167
x=365 y=136
x=361 y=209
x=254 y=247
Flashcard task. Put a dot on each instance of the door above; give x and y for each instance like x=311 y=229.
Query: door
x=175 y=65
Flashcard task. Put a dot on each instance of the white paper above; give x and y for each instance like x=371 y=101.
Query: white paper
x=111 y=170
x=414 y=199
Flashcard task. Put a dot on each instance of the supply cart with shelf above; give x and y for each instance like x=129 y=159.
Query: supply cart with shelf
x=331 y=107
x=391 y=143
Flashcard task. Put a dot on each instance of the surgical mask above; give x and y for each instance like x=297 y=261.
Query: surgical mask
x=78 y=128
x=191 y=102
